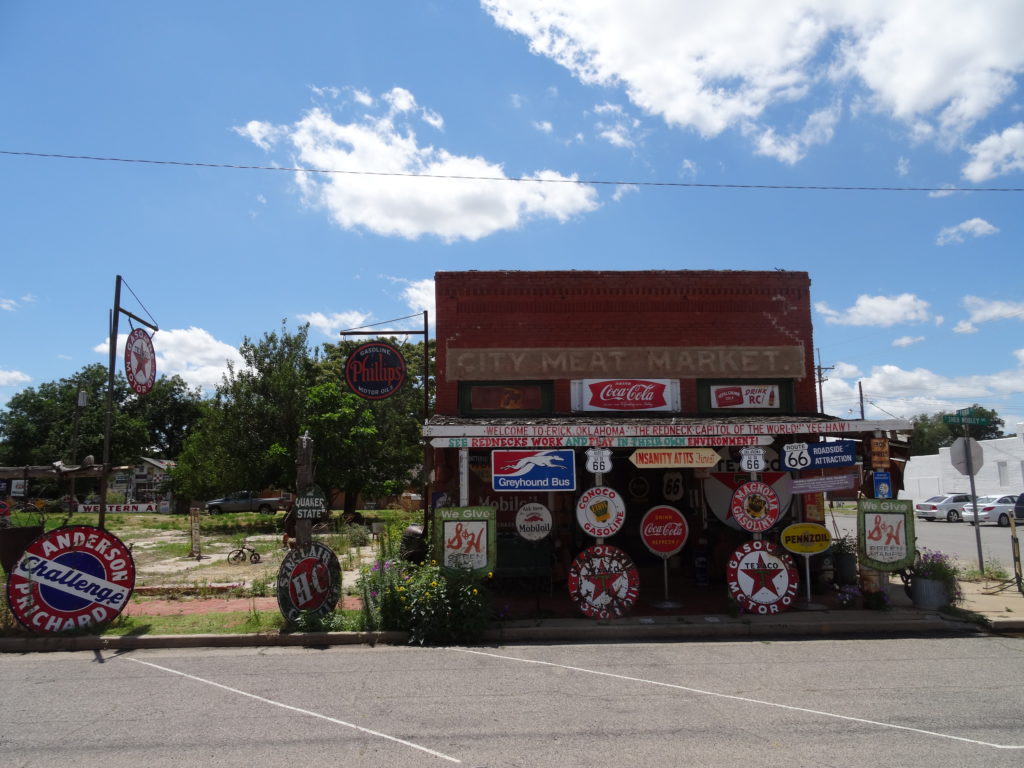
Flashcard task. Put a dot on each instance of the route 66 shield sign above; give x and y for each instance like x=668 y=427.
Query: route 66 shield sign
x=599 y=460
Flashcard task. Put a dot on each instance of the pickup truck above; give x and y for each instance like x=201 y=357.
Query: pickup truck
x=245 y=501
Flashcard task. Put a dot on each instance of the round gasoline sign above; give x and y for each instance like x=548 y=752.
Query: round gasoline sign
x=664 y=530
x=762 y=578
x=600 y=511
x=70 y=578
x=533 y=521
x=603 y=582
x=140 y=361
x=309 y=580
x=805 y=538
x=755 y=506
x=375 y=370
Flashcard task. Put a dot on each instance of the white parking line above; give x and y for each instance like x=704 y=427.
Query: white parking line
x=300 y=711
x=742 y=698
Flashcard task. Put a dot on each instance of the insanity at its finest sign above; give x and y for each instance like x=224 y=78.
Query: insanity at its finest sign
x=603 y=582
x=375 y=370
x=600 y=511
x=309 y=580
x=70 y=578
x=762 y=578
x=755 y=506
x=140 y=361
x=621 y=362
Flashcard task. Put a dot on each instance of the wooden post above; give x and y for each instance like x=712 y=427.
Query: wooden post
x=303 y=481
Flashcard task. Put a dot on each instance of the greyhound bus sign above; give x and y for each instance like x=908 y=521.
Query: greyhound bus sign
x=533 y=470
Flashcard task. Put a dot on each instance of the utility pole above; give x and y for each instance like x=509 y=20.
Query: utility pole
x=821 y=379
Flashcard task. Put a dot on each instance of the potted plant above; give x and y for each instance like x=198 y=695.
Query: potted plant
x=933 y=580
x=844 y=558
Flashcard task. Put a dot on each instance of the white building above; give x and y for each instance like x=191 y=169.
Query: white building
x=1002 y=471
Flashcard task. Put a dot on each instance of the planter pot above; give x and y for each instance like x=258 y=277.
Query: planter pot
x=846 y=569
x=13 y=542
x=928 y=594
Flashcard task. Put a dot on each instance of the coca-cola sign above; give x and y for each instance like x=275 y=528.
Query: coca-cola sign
x=664 y=530
x=625 y=395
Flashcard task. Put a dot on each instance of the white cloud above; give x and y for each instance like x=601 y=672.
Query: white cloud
x=388 y=201
x=986 y=310
x=996 y=155
x=543 y=126
x=936 y=66
x=616 y=126
x=362 y=97
x=13 y=378
x=907 y=341
x=516 y=101
x=331 y=325
x=419 y=297
x=433 y=119
x=965 y=326
x=946 y=191
x=8 y=305
x=328 y=90
x=688 y=169
x=263 y=135
x=903 y=166
x=883 y=311
x=191 y=353
x=818 y=129
x=974 y=227
x=621 y=190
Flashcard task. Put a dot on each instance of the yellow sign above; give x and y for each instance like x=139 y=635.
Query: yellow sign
x=672 y=458
x=879 y=453
x=806 y=538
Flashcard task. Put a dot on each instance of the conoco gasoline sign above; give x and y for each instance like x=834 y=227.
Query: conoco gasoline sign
x=762 y=578
x=375 y=370
x=69 y=578
x=600 y=511
x=603 y=582
x=140 y=361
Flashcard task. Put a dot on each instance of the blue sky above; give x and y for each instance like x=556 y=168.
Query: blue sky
x=919 y=296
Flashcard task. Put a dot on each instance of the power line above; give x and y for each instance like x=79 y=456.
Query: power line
x=516 y=179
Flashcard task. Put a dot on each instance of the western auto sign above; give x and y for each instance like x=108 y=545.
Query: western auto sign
x=838 y=453
x=664 y=531
x=309 y=581
x=533 y=470
x=625 y=395
x=805 y=538
x=762 y=578
x=744 y=396
x=375 y=370
x=603 y=582
x=755 y=506
x=720 y=487
x=71 y=578
x=140 y=361
x=533 y=521
x=601 y=511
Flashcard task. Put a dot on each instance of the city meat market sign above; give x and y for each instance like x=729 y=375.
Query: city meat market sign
x=761 y=578
x=71 y=578
x=309 y=581
x=618 y=362
x=140 y=361
x=603 y=582
x=375 y=370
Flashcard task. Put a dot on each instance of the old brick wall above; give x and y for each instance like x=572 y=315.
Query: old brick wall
x=558 y=309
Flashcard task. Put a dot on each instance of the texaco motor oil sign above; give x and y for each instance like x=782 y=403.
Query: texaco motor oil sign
x=69 y=578
x=761 y=578
x=140 y=361
x=603 y=582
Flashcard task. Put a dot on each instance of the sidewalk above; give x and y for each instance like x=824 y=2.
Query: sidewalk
x=1001 y=612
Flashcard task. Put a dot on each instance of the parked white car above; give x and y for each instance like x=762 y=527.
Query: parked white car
x=991 y=509
x=946 y=506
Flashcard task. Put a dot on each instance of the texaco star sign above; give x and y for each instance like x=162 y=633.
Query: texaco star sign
x=140 y=361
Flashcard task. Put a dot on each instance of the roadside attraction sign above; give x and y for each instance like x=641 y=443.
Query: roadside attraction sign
x=603 y=582
x=761 y=578
x=140 y=361
x=837 y=453
x=71 y=578
x=309 y=581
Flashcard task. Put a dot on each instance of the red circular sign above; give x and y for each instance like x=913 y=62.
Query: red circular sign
x=755 y=506
x=70 y=578
x=140 y=361
x=761 y=578
x=309 y=581
x=664 y=530
x=603 y=582
x=375 y=370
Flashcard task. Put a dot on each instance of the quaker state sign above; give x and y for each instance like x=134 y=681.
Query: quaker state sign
x=140 y=361
x=70 y=578
x=755 y=506
x=600 y=511
x=762 y=578
x=603 y=582
x=309 y=581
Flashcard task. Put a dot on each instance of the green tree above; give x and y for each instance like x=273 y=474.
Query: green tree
x=931 y=432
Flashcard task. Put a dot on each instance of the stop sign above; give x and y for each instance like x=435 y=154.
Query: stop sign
x=958 y=455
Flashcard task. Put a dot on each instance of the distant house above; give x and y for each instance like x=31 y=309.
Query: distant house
x=1002 y=471
x=147 y=479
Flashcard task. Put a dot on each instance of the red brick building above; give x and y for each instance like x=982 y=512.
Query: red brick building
x=644 y=365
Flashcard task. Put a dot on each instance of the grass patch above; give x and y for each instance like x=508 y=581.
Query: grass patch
x=220 y=623
x=994 y=571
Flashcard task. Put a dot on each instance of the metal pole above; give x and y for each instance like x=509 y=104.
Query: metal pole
x=108 y=417
x=974 y=499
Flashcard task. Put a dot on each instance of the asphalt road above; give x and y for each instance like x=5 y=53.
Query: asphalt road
x=885 y=702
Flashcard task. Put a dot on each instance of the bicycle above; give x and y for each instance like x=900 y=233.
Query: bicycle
x=239 y=555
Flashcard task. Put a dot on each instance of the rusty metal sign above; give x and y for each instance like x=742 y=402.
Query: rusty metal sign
x=309 y=581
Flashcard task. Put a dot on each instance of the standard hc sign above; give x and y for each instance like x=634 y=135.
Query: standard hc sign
x=533 y=470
